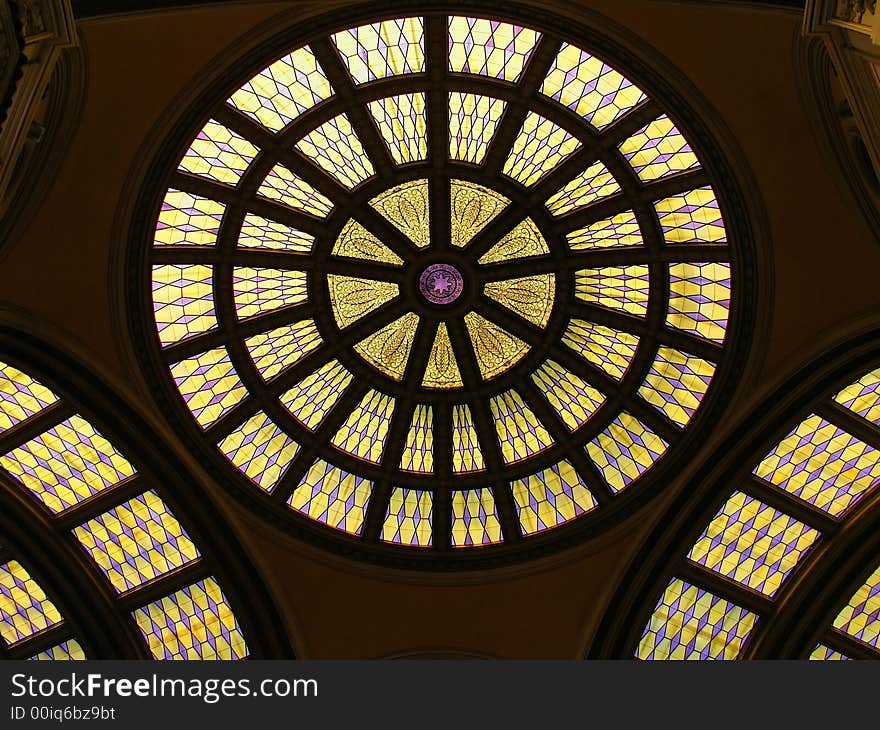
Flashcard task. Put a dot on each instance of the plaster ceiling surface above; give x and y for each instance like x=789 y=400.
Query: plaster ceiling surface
x=64 y=272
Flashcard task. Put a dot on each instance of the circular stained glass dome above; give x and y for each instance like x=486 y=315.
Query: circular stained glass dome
x=439 y=283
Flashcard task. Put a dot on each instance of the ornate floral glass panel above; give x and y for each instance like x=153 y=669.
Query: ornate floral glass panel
x=455 y=303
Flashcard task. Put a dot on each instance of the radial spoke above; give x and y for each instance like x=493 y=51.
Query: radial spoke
x=384 y=230
x=436 y=45
x=654 y=419
x=361 y=120
x=360 y=268
x=511 y=322
x=441 y=521
x=34 y=426
x=495 y=230
x=725 y=588
x=586 y=371
x=518 y=268
x=627 y=125
x=786 y=502
x=420 y=352
x=536 y=71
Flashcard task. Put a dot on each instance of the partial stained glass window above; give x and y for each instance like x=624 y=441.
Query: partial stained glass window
x=676 y=383
x=607 y=348
x=408 y=518
x=691 y=217
x=474 y=518
x=218 y=153
x=540 y=146
x=591 y=185
x=24 y=608
x=489 y=47
x=286 y=187
x=188 y=219
x=473 y=120
x=625 y=450
x=209 y=384
x=403 y=125
x=183 y=301
x=379 y=50
x=617 y=287
x=280 y=348
x=332 y=496
x=335 y=147
x=572 y=398
x=699 y=299
x=658 y=149
x=313 y=397
x=860 y=618
x=364 y=433
x=258 y=232
x=467 y=455
x=260 y=450
x=21 y=396
x=520 y=433
x=551 y=497
x=863 y=397
x=619 y=230
x=262 y=290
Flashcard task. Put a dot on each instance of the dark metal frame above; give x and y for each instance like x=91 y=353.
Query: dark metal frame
x=436 y=82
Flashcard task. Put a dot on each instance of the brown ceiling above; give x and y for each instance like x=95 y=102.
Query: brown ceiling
x=817 y=278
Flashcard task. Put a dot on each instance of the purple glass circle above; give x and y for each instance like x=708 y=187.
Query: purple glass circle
x=441 y=283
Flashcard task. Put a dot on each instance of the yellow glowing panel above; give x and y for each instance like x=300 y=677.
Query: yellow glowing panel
x=282 y=347
x=218 y=153
x=753 y=544
x=24 y=608
x=861 y=616
x=357 y=242
x=863 y=397
x=691 y=217
x=285 y=187
x=332 y=496
x=466 y=452
x=658 y=149
x=625 y=450
x=193 y=623
x=520 y=433
x=136 y=541
x=591 y=185
x=389 y=348
x=261 y=290
x=284 y=90
x=208 y=384
x=260 y=450
x=188 y=219
x=699 y=299
x=619 y=230
x=624 y=288
x=442 y=368
x=406 y=206
x=335 y=147
x=822 y=652
x=823 y=465
x=474 y=518
x=363 y=434
x=376 y=51
x=312 y=398
x=676 y=383
x=690 y=623
x=472 y=207
x=473 y=120
x=606 y=348
x=257 y=232
x=418 y=451
x=496 y=350
x=69 y=650
x=352 y=298
x=523 y=241
x=183 y=301
x=589 y=87
x=551 y=497
x=531 y=297
x=403 y=125
x=67 y=464
x=20 y=396
x=540 y=146
x=573 y=399
x=490 y=48
x=408 y=519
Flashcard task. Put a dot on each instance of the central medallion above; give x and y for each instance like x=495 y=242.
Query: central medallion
x=441 y=283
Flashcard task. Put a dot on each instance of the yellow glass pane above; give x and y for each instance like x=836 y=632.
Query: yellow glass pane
x=183 y=301
x=540 y=146
x=312 y=398
x=442 y=368
x=259 y=290
x=284 y=90
x=193 y=623
x=280 y=348
x=20 y=396
x=472 y=207
x=473 y=120
x=466 y=452
x=753 y=544
x=389 y=348
x=619 y=230
x=474 y=518
x=352 y=298
x=496 y=350
x=605 y=347
x=357 y=242
x=208 y=384
x=699 y=299
x=691 y=217
x=572 y=398
x=335 y=147
x=379 y=50
x=590 y=87
x=691 y=623
x=364 y=432
x=658 y=149
x=531 y=297
x=260 y=450
x=863 y=397
x=490 y=48
x=24 y=608
x=594 y=183
x=822 y=652
x=188 y=219
x=676 y=383
x=218 y=153
x=550 y=498
x=860 y=618
x=625 y=450
x=523 y=241
x=69 y=650
x=520 y=433
x=403 y=126
x=408 y=518
x=257 y=232
x=136 y=541
x=418 y=450
x=285 y=187
x=406 y=206
x=332 y=496
x=624 y=288
x=67 y=464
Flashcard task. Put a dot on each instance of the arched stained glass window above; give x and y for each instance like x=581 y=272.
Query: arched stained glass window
x=439 y=283
x=801 y=492
x=95 y=500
